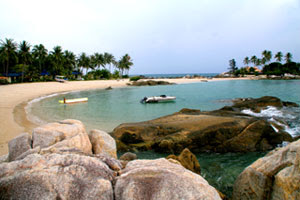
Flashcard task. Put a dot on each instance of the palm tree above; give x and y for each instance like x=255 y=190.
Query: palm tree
x=24 y=55
x=258 y=62
x=263 y=61
x=253 y=60
x=8 y=50
x=125 y=63
x=40 y=53
x=99 y=60
x=57 y=59
x=267 y=55
x=84 y=61
x=278 y=56
x=108 y=59
x=246 y=61
x=288 y=57
x=69 y=61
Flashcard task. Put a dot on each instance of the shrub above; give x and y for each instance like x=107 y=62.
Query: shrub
x=135 y=78
x=3 y=81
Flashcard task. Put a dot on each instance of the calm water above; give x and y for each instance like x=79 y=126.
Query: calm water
x=179 y=75
x=106 y=109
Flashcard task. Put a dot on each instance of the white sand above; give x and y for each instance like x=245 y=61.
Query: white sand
x=14 y=98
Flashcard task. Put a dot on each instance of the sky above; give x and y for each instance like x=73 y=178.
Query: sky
x=161 y=36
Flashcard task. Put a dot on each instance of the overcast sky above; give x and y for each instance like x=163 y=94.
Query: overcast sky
x=161 y=36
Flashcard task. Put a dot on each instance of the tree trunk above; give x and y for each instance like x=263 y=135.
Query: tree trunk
x=22 y=73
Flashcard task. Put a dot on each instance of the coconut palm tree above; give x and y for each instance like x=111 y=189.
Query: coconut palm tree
x=263 y=61
x=8 y=50
x=125 y=63
x=258 y=62
x=84 y=61
x=99 y=60
x=40 y=54
x=24 y=55
x=253 y=60
x=288 y=57
x=267 y=55
x=57 y=59
x=108 y=59
x=69 y=61
x=246 y=61
x=278 y=56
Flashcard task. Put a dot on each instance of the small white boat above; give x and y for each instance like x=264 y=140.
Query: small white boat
x=157 y=99
x=60 y=79
x=69 y=101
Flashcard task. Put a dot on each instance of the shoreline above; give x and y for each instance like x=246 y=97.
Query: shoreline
x=15 y=97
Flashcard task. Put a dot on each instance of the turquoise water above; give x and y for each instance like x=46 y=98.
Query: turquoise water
x=178 y=75
x=106 y=109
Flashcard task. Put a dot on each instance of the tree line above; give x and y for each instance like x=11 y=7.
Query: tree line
x=25 y=62
x=283 y=64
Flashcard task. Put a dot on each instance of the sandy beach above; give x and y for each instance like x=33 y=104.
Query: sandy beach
x=14 y=98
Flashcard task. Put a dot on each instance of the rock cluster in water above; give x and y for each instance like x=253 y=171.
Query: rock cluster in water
x=149 y=83
x=223 y=130
x=62 y=161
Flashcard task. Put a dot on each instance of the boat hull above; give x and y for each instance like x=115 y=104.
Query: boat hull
x=70 y=101
x=158 y=99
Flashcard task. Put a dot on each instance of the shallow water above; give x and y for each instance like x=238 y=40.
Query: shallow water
x=106 y=109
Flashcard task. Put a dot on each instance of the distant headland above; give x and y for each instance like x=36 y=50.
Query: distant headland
x=263 y=66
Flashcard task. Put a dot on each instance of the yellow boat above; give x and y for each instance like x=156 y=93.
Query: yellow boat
x=69 y=101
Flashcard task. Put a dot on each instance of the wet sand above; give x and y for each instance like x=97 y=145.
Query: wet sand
x=14 y=98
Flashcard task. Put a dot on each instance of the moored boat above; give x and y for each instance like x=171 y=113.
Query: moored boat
x=69 y=101
x=157 y=99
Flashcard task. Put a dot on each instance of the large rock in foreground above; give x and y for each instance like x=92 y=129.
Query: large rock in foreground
x=161 y=179
x=275 y=176
x=61 y=135
x=102 y=142
x=58 y=163
x=224 y=130
x=18 y=146
x=56 y=176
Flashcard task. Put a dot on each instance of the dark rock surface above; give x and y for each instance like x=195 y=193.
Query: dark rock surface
x=224 y=130
x=150 y=83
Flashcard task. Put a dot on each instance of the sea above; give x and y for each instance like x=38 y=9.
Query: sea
x=106 y=109
x=207 y=75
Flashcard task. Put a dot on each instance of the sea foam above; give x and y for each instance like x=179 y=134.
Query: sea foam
x=28 y=108
x=287 y=118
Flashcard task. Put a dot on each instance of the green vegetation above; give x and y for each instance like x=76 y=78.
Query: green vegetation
x=135 y=78
x=26 y=63
x=232 y=68
x=268 y=68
